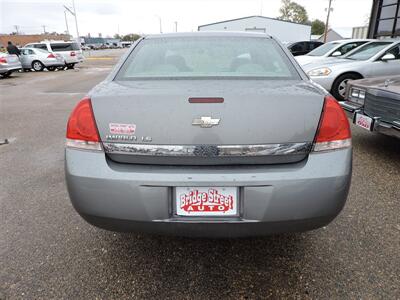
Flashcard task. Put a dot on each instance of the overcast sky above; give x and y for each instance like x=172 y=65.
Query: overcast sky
x=141 y=16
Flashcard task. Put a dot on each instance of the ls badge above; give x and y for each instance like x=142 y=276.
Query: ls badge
x=205 y=122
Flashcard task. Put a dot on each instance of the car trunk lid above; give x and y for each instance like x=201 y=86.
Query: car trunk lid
x=256 y=122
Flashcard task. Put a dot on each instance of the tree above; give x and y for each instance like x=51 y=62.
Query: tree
x=317 y=27
x=118 y=36
x=291 y=11
x=130 y=37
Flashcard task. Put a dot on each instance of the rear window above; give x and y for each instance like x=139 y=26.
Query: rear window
x=58 y=47
x=188 y=57
x=40 y=46
x=42 y=50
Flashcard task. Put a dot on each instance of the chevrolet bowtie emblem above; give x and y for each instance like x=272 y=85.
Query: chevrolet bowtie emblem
x=205 y=122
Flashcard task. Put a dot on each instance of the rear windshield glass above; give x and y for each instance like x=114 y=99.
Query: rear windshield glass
x=58 y=47
x=324 y=49
x=367 y=51
x=190 y=57
x=41 y=50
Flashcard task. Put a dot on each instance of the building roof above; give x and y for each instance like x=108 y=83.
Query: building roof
x=209 y=33
x=249 y=17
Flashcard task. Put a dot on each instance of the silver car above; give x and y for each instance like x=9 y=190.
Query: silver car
x=208 y=134
x=374 y=59
x=70 y=51
x=331 y=50
x=39 y=59
x=9 y=63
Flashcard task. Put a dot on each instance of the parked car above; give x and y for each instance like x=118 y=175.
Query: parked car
x=331 y=49
x=38 y=59
x=304 y=47
x=210 y=134
x=374 y=104
x=70 y=51
x=9 y=63
x=374 y=59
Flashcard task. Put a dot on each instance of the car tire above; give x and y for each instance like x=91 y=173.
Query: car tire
x=51 y=68
x=6 y=74
x=37 y=66
x=70 y=66
x=339 y=85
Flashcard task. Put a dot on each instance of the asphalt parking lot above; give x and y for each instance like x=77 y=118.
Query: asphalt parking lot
x=48 y=252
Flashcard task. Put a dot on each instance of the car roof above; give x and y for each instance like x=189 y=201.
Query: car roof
x=351 y=41
x=208 y=34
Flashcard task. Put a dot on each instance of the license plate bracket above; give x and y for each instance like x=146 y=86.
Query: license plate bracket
x=364 y=121
x=206 y=201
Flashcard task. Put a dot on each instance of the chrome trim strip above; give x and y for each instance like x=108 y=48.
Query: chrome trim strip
x=208 y=150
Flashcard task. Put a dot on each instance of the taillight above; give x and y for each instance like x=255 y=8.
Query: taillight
x=81 y=129
x=334 y=130
x=51 y=55
x=3 y=60
x=72 y=53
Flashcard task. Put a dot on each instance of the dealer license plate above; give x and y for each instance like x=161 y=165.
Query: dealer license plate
x=364 y=121
x=206 y=201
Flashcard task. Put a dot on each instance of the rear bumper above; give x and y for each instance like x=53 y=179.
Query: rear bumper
x=378 y=126
x=273 y=199
x=55 y=63
x=73 y=60
x=11 y=68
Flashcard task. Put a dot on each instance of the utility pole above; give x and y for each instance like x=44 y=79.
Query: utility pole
x=327 y=20
x=76 y=23
x=66 y=21
x=16 y=29
x=159 y=19
x=73 y=12
x=176 y=26
x=44 y=29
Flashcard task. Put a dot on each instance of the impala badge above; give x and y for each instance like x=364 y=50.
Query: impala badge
x=205 y=122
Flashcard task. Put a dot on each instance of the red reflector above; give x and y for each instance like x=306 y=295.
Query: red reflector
x=334 y=123
x=51 y=55
x=3 y=60
x=72 y=53
x=81 y=123
x=206 y=100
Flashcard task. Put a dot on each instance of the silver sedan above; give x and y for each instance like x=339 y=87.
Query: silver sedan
x=208 y=134
x=39 y=59
x=9 y=63
x=373 y=59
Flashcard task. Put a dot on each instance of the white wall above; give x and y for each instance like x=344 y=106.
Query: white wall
x=284 y=31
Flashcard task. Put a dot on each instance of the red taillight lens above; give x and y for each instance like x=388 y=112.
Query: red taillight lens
x=51 y=55
x=3 y=60
x=334 y=131
x=81 y=129
x=72 y=53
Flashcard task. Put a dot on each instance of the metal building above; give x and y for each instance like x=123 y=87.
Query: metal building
x=385 y=19
x=283 y=30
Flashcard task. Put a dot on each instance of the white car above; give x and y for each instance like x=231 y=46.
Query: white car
x=374 y=59
x=330 y=50
x=70 y=51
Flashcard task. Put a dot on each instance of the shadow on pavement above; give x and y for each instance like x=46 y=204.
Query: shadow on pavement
x=204 y=268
